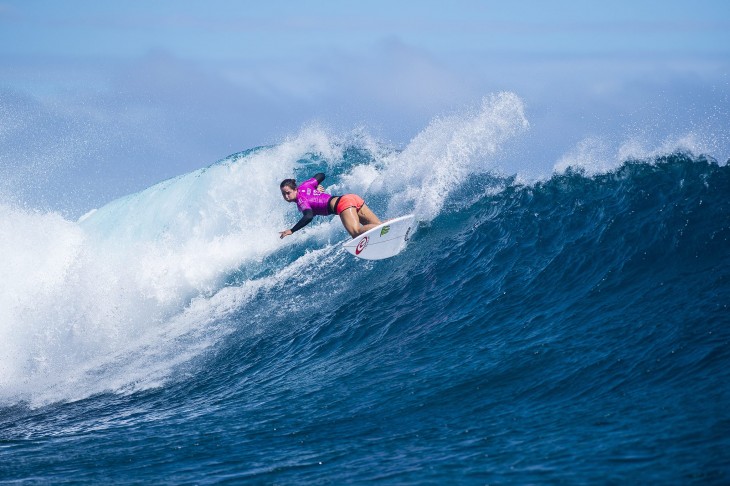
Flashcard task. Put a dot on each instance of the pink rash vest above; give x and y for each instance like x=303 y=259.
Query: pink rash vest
x=308 y=197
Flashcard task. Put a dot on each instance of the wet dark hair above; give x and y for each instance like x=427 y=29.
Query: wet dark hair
x=288 y=182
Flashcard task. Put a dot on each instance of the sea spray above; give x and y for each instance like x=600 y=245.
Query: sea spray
x=450 y=149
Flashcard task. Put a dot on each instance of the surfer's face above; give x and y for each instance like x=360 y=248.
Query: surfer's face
x=289 y=194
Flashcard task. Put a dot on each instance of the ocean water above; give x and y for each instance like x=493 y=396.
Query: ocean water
x=571 y=329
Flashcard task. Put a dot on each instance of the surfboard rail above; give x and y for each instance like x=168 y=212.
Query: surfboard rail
x=383 y=241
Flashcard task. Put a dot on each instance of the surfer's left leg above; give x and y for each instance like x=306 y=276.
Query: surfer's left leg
x=367 y=217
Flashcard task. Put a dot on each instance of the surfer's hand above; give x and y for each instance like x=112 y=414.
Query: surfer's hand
x=282 y=234
x=321 y=188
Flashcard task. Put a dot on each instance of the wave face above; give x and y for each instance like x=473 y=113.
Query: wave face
x=573 y=329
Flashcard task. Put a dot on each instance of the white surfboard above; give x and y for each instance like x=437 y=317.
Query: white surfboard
x=383 y=241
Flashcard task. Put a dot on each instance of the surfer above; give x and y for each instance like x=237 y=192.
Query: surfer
x=356 y=216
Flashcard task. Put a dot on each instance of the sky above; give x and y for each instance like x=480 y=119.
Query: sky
x=103 y=98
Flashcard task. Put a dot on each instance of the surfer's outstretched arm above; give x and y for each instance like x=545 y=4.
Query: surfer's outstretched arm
x=306 y=219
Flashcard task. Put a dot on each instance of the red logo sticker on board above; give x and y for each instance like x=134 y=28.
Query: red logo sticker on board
x=361 y=246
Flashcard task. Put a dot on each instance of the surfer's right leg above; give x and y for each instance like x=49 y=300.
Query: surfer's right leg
x=353 y=213
x=356 y=222
x=350 y=221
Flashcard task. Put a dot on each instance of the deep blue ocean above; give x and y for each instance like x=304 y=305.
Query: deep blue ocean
x=572 y=329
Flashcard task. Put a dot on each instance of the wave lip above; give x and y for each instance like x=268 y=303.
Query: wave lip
x=448 y=151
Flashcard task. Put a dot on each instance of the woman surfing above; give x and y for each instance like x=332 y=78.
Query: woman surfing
x=356 y=216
